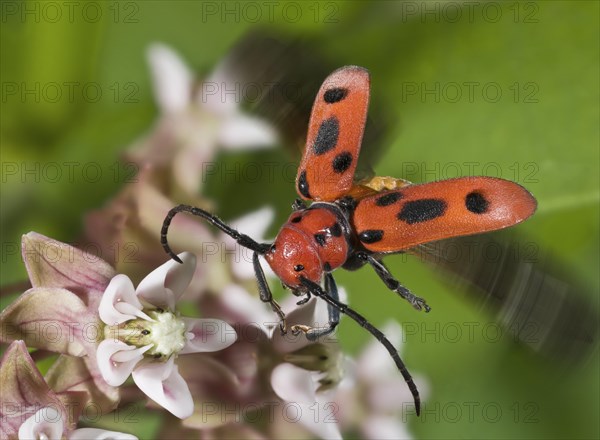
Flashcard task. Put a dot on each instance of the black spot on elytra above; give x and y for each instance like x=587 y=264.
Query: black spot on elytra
x=303 y=185
x=327 y=267
x=417 y=211
x=476 y=203
x=371 y=236
x=335 y=95
x=388 y=199
x=320 y=238
x=336 y=230
x=342 y=162
x=297 y=219
x=327 y=136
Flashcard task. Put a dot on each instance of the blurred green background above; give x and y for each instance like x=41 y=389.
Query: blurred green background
x=511 y=84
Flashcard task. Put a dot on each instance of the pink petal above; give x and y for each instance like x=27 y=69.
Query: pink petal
x=50 y=318
x=172 y=79
x=72 y=374
x=51 y=263
x=164 y=285
x=162 y=382
x=119 y=302
x=46 y=423
x=116 y=360
x=23 y=389
x=205 y=335
x=242 y=132
x=99 y=434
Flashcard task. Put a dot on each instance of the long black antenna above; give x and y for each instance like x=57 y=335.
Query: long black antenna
x=242 y=240
x=316 y=290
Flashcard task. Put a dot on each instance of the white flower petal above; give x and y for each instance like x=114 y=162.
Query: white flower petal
x=45 y=423
x=165 y=284
x=298 y=387
x=384 y=427
x=206 y=335
x=255 y=225
x=119 y=290
x=99 y=434
x=303 y=315
x=293 y=384
x=172 y=79
x=324 y=424
x=116 y=360
x=247 y=308
x=241 y=132
x=219 y=92
x=162 y=382
x=130 y=309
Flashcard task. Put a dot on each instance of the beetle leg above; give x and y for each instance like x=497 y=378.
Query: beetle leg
x=394 y=285
x=265 y=293
x=304 y=300
x=298 y=205
x=314 y=333
x=316 y=290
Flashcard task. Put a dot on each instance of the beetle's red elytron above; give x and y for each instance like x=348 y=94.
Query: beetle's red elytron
x=352 y=224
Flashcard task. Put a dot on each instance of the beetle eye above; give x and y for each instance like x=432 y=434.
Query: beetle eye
x=298 y=267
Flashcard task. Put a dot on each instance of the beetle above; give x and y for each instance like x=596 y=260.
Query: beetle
x=350 y=224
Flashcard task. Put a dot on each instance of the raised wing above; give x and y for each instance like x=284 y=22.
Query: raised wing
x=335 y=133
x=392 y=221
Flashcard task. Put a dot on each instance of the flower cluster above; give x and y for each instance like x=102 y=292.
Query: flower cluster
x=192 y=341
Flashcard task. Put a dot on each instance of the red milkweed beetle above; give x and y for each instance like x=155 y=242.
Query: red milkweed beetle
x=352 y=224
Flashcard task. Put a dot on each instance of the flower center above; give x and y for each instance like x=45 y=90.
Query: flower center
x=166 y=333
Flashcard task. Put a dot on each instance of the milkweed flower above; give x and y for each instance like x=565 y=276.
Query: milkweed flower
x=196 y=120
x=285 y=379
x=144 y=334
x=47 y=423
x=30 y=409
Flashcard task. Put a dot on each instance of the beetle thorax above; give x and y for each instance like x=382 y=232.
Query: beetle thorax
x=311 y=242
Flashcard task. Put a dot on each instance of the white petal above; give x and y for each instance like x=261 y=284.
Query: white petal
x=255 y=225
x=293 y=384
x=99 y=434
x=220 y=93
x=297 y=387
x=45 y=423
x=119 y=302
x=162 y=382
x=165 y=284
x=249 y=309
x=303 y=315
x=172 y=80
x=116 y=360
x=240 y=132
x=206 y=335
x=324 y=424
x=385 y=427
